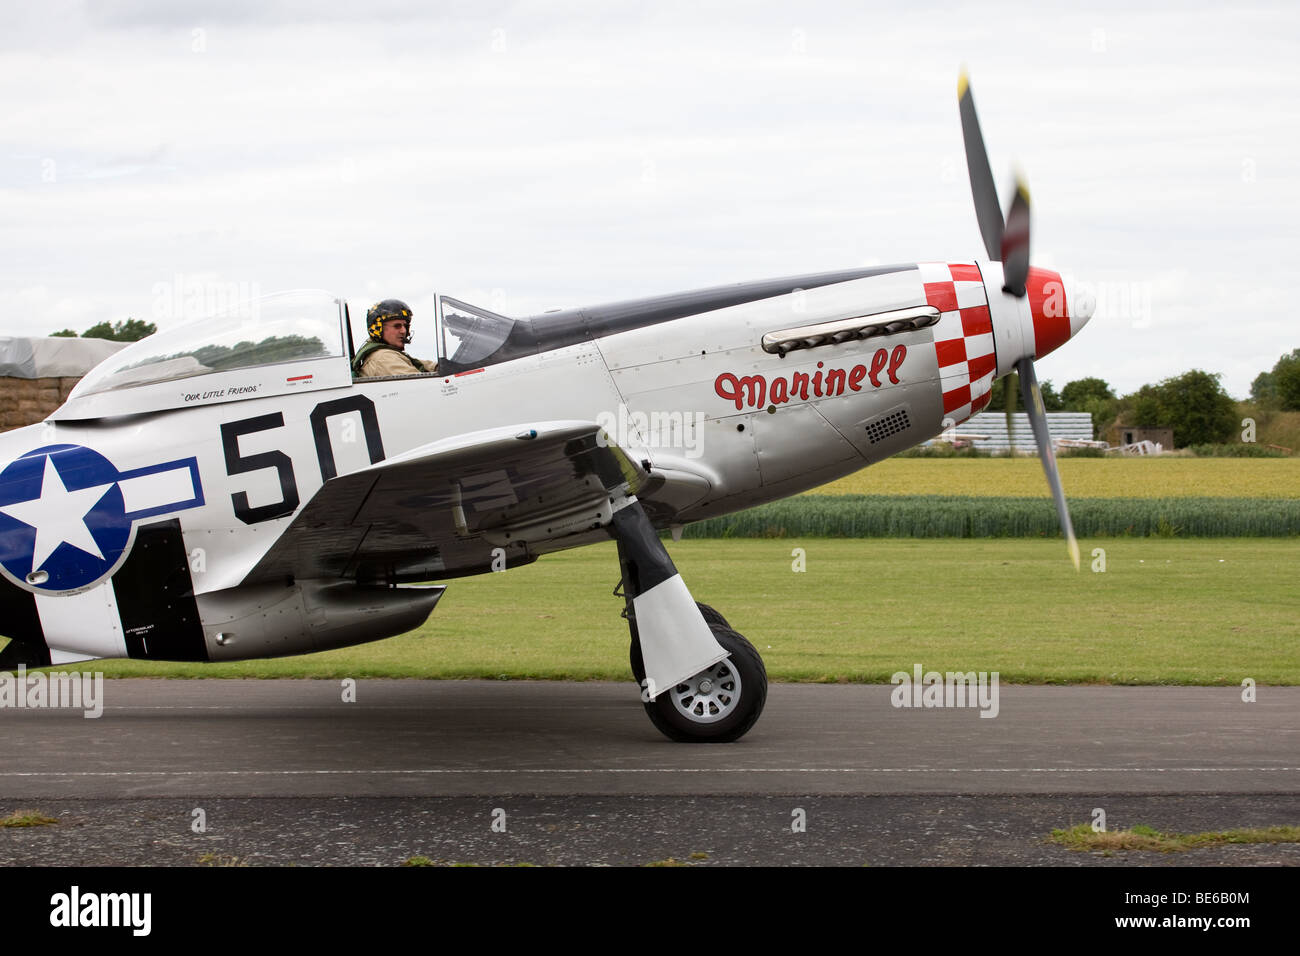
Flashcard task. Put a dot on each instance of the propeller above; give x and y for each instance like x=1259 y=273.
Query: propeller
x=1007 y=241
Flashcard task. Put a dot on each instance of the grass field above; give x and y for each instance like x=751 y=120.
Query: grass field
x=1164 y=611
x=1081 y=477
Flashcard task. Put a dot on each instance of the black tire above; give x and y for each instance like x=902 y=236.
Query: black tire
x=711 y=618
x=689 y=718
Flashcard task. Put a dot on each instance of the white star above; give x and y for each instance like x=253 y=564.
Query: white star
x=58 y=515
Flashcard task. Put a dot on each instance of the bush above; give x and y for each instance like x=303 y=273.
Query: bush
x=1237 y=450
x=942 y=451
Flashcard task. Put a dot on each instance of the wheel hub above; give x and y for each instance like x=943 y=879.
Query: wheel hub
x=710 y=695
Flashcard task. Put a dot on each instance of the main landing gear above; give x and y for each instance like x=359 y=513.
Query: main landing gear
x=701 y=681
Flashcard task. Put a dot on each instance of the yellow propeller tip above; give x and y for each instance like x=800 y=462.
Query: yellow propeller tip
x=963 y=83
x=1022 y=183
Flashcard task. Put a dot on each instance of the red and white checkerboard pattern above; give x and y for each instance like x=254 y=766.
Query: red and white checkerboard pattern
x=963 y=339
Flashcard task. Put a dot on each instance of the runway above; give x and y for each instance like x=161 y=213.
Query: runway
x=287 y=771
x=264 y=738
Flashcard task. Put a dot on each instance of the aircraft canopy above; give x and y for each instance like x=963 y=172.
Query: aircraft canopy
x=266 y=346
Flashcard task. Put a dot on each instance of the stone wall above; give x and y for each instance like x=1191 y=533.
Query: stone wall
x=26 y=401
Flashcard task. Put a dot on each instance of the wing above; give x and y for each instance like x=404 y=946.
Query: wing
x=441 y=510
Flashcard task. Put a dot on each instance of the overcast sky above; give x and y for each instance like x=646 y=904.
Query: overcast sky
x=156 y=154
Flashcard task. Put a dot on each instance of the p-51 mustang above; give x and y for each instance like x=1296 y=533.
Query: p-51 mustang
x=226 y=490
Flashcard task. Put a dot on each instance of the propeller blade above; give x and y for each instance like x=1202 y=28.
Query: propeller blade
x=1015 y=242
x=1033 y=399
x=987 y=208
x=1009 y=403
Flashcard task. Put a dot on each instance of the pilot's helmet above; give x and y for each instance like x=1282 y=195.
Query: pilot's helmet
x=388 y=309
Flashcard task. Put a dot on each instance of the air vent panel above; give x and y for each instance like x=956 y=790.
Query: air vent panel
x=888 y=425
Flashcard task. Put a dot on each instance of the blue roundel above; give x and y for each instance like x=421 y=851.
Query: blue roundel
x=63 y=522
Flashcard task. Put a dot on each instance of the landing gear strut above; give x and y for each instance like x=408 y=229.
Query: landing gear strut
x=718 y=697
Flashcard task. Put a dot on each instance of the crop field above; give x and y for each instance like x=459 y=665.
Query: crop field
x=1163 y=477
x=1008 y=497
x=933 y=516
x=1163 y=611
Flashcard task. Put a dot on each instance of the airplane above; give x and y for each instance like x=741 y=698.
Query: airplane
x=227 y=489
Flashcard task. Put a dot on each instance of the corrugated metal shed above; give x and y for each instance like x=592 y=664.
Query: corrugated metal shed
x=994 y=425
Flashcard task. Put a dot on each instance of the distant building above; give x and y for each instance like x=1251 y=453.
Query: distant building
x=1132 y=434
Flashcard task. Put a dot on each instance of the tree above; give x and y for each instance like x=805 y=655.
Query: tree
x=1094 y=396
x=1286 y=380
x=104 y=330
x=132 y=330
x=1264 y=389
x=1193 y=404
x=1146 y=407
x=65 y=334
x=1077 y=394
x=1051 y=401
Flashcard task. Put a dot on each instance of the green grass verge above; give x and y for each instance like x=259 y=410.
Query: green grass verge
x=934 y=516
x=1140 y=837
x=27 y=818
x=1164 y=612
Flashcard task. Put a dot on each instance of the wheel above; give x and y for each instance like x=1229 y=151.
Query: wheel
x=719 y=704
x=711 y=618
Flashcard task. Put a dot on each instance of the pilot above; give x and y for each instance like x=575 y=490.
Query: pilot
x=389 y=326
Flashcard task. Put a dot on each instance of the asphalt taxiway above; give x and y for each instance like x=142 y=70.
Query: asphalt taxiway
x=487 y=771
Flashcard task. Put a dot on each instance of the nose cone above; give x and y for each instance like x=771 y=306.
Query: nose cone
x=1056 y=311
x=1081 y=302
